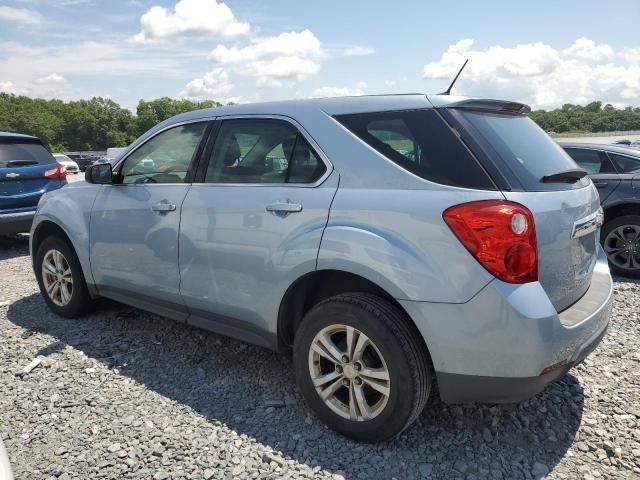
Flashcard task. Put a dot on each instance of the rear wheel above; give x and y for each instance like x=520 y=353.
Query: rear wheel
x=60 y=278
x=621 y=242
x=362 y=366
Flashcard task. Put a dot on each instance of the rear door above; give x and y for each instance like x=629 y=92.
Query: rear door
x=252 y=223
x=135 y=222
x=601 y=170
x=23 y=164
x=565 y=210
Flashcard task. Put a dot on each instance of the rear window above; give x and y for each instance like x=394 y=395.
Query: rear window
x=524 y=148
x=24 y=155
x=419 y=141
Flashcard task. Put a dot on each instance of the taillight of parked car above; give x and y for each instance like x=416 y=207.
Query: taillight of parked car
x=59 y=172
x=501 y=235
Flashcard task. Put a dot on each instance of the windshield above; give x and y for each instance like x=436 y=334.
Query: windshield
x=24 y=155
x=523 y=147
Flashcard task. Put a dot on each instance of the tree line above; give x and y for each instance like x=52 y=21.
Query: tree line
x=84 y=125
x=100 y=123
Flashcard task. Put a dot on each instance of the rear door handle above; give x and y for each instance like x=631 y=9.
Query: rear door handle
x=284 y=207
x=163 y=207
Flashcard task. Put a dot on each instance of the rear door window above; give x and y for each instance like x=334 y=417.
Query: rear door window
x=625 y=164
x=17 y=154
x=419 y=141
x=522 y=148
x=592 y=161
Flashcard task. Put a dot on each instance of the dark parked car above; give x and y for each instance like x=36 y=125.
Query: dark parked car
x=83 y=161
x=27 y=170
x=615 y=171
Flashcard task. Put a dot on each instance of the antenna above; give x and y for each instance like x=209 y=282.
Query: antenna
x=448 y=90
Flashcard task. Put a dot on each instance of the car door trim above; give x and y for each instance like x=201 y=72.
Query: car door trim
x=201 y=169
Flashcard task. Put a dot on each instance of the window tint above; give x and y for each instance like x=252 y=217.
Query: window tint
x=420 y=142
x=304 y=164
x=262 y=151
x=24 y=155
x=625 y=164
x=523 y=147
x=165 y=158
x=591 y=160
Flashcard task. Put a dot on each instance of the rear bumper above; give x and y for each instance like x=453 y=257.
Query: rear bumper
x=16 y=222
x=495 y=347
x=457 y=388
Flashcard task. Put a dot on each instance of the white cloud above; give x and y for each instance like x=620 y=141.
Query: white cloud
x=54 y=78
x=541 y=75
x=359 y=89
x=9 y=87
x=273 y=61
x=190 y=18
x=588 y=50
x=19 y=15
x=213 y=86
x=358 y=50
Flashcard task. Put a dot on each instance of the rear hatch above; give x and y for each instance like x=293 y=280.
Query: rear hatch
x=23 y=163
x=533 y=170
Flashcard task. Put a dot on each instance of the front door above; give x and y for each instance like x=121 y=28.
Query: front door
x=135 y=222
x=251 y=225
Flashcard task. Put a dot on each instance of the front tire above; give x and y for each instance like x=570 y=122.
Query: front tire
x=362 y=366
x=60 y=278
x=621 y=242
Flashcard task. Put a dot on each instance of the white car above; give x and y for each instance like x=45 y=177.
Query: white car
x=5 y=468
x=72 y=167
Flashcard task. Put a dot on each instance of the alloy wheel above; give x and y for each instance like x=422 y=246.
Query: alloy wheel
x=57 y=277
x=622 y=246
x=349 y=373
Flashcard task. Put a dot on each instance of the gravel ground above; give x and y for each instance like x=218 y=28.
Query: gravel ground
x=125 y=394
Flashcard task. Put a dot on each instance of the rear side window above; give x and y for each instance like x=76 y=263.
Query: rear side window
x=419 y=141
x=625 y=164
x=591 y=160
x=24 y=154
x=523 y=148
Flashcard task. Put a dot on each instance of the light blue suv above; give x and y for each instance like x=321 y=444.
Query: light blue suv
x=387 y=242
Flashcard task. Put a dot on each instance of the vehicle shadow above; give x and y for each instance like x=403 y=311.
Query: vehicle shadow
x=231 y=383
x=12 y=246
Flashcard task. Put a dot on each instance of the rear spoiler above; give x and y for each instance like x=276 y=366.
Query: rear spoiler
x=477 y=104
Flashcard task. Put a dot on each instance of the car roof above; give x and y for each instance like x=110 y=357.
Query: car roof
x=336 y=105
x=604 y=147
x=17 y=136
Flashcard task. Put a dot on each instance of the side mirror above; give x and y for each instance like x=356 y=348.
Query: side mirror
x=99 y=173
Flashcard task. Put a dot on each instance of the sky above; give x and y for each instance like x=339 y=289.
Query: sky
x=541 y=53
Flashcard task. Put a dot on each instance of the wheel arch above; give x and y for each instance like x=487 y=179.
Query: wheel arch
x=628 y=207
x=314 y=287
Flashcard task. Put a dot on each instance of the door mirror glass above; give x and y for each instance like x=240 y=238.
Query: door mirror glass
x=100 y=173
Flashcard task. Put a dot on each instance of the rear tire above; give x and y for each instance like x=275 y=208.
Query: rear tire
x=61 y=279
x=620 y=238
x=387 y=356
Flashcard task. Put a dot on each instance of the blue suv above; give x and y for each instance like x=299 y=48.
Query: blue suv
x=27 y=170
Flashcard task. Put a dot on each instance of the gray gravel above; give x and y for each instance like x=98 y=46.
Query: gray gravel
x=125 y=394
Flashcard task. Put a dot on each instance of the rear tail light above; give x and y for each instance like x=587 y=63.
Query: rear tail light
x=500 y=235
x=59 y=172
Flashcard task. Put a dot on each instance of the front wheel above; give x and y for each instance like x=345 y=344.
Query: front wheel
x=621 y=242
x=362 y=366
x=60 y=278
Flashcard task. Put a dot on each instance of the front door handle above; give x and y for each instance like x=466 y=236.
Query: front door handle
x=600 y=184
x=163 y=207
x=284 y=207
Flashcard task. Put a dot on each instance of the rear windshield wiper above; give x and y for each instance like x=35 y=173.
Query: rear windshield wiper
x=569 y=176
